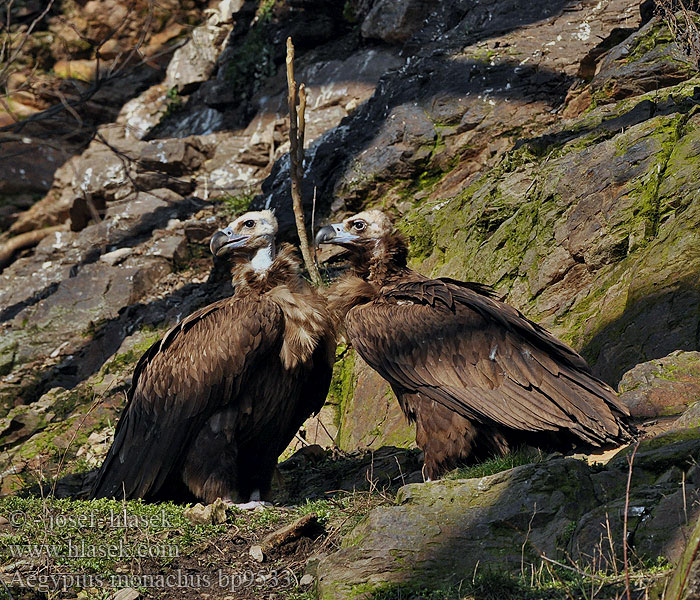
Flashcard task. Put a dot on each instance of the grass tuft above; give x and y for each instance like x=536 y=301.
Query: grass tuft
x=523 y=456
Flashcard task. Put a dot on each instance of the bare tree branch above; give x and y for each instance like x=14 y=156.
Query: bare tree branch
x=296 y=160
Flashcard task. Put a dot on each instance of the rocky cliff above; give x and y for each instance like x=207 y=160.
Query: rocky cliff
x=547 y=149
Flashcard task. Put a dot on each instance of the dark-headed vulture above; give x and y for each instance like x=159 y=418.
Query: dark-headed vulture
x=217 y=400
x=476 y=376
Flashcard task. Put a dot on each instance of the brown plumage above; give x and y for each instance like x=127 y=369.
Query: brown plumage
x=477 y=377
x=217 y=400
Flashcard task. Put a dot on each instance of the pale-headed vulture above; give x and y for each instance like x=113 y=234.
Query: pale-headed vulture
x=218 y=399
x=477 y=377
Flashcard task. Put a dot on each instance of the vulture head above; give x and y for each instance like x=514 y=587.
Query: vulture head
x=374 y=247
x=364 y=229
x=251 y=237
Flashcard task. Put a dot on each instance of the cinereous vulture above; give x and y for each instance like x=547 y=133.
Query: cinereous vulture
x=477 y=377
x=216 y=401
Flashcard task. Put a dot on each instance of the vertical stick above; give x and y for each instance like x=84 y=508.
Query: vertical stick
x=296 y=159
x=630 y=461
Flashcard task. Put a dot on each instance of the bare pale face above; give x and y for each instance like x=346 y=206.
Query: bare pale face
x=251 y=231
x=364 y=227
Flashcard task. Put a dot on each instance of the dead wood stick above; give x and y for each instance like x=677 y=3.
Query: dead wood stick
x=25 y=240
x=306 y=526
x=296 y=160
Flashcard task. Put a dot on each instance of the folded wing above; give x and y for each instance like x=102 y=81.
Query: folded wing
x=452 y=342
x=199 y=366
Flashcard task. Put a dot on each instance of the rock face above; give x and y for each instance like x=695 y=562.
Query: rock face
x=395 y=21
x=547 y=149
x=440 y=531
x=685 y=584
x=663 y=387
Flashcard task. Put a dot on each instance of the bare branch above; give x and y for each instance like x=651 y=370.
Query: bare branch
x=25 y=37
x=630 y=462
x=25 y=240
x=296 y=160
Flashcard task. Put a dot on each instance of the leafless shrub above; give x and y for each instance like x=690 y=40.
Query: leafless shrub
x=682 y=19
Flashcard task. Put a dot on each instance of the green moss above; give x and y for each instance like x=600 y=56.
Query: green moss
x=8 y=355
x=668 y=132
x=681 y=581
x=174 y=103
x=658 y=35
x=128 y=359
x=253 y=58
x=342 y=383
x=419 y=233
x=546 y=583
x=666 y=439
x=349 y=12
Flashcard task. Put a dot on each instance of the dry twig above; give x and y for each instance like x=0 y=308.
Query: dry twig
x=630 y=461
x=296 y=159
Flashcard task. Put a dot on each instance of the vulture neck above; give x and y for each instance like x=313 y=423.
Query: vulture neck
x=374 y=267
x=386 y=261
x=266 y=269
x=263 y=259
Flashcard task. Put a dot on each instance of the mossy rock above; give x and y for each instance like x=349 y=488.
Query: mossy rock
x=440 y=531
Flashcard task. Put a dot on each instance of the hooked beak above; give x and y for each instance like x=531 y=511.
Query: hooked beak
x=334 y=234
x=224 y=241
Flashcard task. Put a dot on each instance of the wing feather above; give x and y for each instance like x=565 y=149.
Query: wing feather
x=452 y=342
x=175 y=389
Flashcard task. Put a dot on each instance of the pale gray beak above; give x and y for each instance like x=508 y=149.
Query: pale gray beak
x=225 y=240
x=334 y=234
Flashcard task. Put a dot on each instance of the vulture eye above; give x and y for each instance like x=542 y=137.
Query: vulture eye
x=249 y=223
x=359 y=225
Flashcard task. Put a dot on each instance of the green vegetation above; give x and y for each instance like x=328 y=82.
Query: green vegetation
x=234 y=205
x=548 y=582
x=128 y=359
x=524 y=456
x=342 y=387
x=174 y=103
x=94 y=536
x=253 y=59
x=658 y=35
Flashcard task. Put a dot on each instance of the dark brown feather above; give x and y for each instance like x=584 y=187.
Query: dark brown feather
x=450 y=348
x=216 y=401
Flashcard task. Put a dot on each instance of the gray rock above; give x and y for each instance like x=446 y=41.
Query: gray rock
x=195 y=61
x=690 y=418
x=25 y=420
x=443 y=529
x=213 y=513
x=663 y=387
x=460 y=90
x=116 y=256
x=139 y=115
x=394 y=21
x=177 y=157
x=126 y=594
x=168 y=244
x=257 y=554
x=559 y=508
x=648 y=60
x=685 y=583
x=31 y=167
